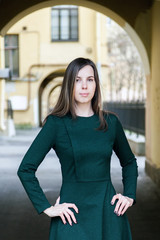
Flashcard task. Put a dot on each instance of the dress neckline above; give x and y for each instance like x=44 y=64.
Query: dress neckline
x=86 y=116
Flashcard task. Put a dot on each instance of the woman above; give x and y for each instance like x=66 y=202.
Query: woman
x=83 y=137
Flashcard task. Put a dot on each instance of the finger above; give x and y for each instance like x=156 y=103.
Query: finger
x=63 y=218
x=123 y=204
x=68 y=217
x=72 y=205
x=72 y=215
x=118 y=205
x=125 y=208
x=114 y=199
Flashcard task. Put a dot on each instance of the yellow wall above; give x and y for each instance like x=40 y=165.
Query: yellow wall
x=35 y=47
x=155 y=86
x=42 y=50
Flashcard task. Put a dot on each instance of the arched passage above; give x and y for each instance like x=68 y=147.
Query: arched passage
x=42 y=86
x=140 y=46
x=51 y=92
x=132 y=16
x=104 y=8
x=125 y=20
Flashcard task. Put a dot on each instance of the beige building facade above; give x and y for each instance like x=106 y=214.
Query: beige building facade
x=41 y=45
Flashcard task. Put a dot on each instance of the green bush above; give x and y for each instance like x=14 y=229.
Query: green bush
x=24 y=126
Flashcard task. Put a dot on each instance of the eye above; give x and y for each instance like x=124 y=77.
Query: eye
x=90 y=79
x=77 y=79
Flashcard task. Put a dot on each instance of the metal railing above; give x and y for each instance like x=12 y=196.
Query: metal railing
x=131 y=114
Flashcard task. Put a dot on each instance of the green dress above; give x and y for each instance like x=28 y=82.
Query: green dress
x=84 y=154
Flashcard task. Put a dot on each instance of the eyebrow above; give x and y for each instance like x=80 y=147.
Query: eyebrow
x=87 y=77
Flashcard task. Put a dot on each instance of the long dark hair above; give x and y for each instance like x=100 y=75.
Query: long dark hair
x=65 y=102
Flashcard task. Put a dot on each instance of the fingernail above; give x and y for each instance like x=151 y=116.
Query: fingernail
x=112 y=203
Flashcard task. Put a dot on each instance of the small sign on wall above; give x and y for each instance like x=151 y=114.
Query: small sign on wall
x=18 y=102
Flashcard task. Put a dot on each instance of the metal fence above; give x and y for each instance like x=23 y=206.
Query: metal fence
x=131 y=114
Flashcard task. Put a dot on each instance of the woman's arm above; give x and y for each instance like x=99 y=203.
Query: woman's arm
x=41 y=145
x=128 y=163
x=127 y=160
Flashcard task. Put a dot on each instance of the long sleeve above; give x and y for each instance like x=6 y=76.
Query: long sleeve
x=127 y=160
x=41 y=145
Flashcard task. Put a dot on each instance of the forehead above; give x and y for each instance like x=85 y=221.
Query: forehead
x=86 y=71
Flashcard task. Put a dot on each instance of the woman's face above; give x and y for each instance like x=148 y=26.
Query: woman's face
x=85 y=85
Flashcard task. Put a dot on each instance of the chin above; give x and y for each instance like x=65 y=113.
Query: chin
x=84 y=101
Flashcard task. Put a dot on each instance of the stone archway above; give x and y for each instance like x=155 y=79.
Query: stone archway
x=119 y=17
x=51 y=92
x=135 y=17
x=42 y=86
x=105 y=8
x=132 y=23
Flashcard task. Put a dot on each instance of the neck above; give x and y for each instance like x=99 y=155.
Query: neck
x=84 y=109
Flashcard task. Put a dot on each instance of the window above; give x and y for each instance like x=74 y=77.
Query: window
x=64 y=23
x=12 y=54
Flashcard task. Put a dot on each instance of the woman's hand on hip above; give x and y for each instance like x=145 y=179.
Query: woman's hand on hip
x=62 y=210
x=122 y=204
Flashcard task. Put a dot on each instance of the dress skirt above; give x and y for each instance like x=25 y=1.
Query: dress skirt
x=96 y=219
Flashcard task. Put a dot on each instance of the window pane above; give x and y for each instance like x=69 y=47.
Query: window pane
x=74 y=24
x=7 y=58
x=14 y=40
x=6 y=41
x=11 y=41
x=55 y=24
x=15 y=63
x=64 y=24
x=12 y=54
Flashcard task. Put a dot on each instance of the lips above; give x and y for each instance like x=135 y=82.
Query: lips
x=84 y=94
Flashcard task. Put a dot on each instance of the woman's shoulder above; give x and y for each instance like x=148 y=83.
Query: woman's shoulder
x=50 y=119
x=108 y=115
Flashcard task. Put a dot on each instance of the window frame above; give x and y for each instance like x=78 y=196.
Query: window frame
x=10 y=48
x=60 y=8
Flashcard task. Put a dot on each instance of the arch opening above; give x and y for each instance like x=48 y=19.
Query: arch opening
x=99 y=8
x=50 y=78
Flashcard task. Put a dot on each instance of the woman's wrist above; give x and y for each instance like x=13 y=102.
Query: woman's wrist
x=48 y=211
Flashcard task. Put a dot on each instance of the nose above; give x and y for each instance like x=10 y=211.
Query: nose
x=84 y=84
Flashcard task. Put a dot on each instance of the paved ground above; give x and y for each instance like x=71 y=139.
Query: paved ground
x=19 y=220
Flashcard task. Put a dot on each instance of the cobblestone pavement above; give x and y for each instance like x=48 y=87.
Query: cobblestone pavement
x=20 y=221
